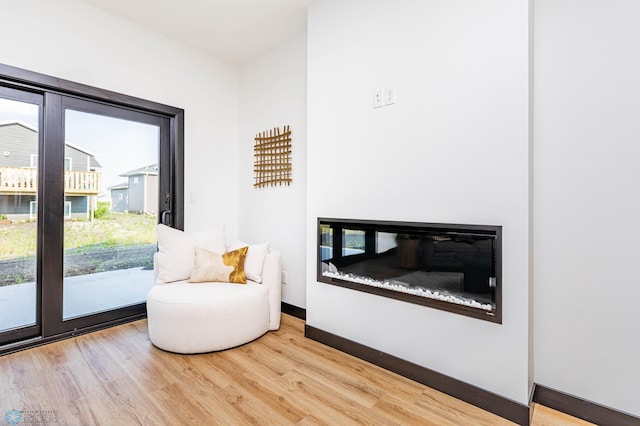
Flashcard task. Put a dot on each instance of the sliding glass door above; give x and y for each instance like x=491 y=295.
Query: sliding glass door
x=83 y=183
x=20 y=143
x=106 y=178
x=110 y=209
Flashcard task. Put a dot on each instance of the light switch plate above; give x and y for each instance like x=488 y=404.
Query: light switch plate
x=390 y=96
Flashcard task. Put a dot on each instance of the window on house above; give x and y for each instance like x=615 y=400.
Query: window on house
x=33 y=210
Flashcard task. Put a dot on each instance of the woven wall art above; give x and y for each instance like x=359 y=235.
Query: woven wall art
x=273 y=158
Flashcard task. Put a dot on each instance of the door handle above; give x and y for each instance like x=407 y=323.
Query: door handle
x=163 y=217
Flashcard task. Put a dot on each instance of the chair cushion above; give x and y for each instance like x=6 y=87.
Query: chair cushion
x=203 y=317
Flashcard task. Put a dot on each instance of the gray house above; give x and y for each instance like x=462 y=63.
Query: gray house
x=119 y=195
x=139 y=194
x=19 y=174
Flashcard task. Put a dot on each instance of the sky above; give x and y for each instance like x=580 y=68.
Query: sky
x=119 y=145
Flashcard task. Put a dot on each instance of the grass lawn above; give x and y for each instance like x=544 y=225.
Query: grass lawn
x=18 y=239
x=112 y=242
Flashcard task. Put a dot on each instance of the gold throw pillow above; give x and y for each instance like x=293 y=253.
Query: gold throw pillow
x=211 y=266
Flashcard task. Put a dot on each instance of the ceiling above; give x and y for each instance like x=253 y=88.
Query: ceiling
x=232 y=30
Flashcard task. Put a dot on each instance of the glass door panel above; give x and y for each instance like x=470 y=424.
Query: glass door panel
x=19 y=151
x=111 y=192
x=85 y=175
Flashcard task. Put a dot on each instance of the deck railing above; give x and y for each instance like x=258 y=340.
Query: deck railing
x=25 y=180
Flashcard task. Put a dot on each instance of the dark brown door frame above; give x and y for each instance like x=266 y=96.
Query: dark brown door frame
x=59 y=94
x=30 y=331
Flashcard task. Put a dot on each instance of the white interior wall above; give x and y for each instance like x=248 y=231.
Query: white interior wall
x=75 y=41
x=273 y=91
x=454 y=95
x=586 y=205
x=453 y=149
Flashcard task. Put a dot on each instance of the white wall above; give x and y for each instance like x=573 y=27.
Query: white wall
x=273 y=90
x=587 y=181
x=74 y=41
x=453 y=149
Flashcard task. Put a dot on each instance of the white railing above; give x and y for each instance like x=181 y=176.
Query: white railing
x=25 y=180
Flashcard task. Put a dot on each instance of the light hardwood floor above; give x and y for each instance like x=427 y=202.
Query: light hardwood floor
x=117 y=377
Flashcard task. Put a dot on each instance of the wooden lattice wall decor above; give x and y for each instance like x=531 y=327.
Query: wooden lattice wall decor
x=273 y=158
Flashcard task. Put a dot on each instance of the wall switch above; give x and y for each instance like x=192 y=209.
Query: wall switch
x=378 y=98
x=390 y=96
x=284 y=277
x=192 y=198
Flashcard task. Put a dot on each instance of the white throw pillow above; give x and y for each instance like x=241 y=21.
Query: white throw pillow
x=176 y=250
x=254 y=262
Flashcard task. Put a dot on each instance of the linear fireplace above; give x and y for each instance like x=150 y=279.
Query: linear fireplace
x=456 y=268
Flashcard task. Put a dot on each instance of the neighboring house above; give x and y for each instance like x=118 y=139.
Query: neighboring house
x=119 y=197
x=139 y=194
x=19 y=174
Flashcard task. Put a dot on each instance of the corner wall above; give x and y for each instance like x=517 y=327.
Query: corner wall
x=454 y=148
x=72 y=40
x=586 y=210
x=273 y=90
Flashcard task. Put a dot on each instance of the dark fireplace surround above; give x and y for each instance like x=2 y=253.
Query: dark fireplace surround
x=452 y=267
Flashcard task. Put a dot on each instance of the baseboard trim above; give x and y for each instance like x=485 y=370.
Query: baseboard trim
x=582 y=409
x=294 y=311
x=496 y=404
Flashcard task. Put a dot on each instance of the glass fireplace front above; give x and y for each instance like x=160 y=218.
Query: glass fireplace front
x=456 y=268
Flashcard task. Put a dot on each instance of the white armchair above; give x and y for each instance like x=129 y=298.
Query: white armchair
x=188 y=318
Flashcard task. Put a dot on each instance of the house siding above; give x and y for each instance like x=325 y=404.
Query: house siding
x=19 y=206
x=16 y=204
x=119 y=204
x=79 y=159
x=136 y=194
x=17 y=144
x=79 y=205
x=21 y=143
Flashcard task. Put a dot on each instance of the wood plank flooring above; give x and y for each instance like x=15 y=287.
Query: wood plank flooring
x=117 y=377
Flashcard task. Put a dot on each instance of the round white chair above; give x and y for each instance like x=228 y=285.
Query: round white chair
x=192 y=318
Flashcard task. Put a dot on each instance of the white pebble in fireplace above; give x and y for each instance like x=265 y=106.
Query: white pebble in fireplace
x=416 y=291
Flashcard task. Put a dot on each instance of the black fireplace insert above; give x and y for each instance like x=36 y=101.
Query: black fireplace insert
x=452 y=267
